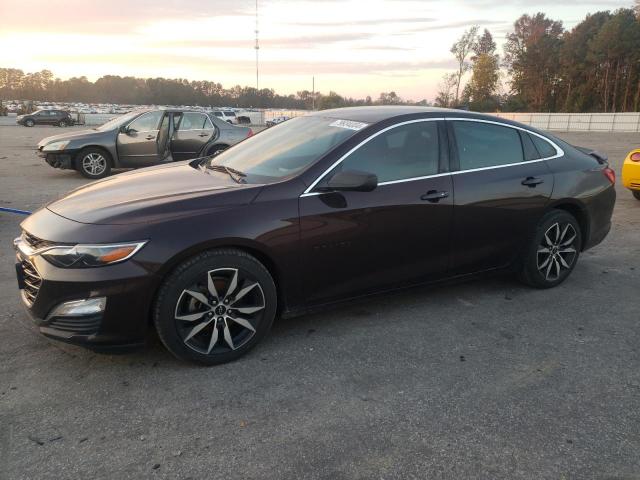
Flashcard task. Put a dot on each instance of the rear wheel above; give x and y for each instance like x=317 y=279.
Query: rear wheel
x=215 y=307
x=636 y=194
x=62 y=123
x=553 y=252
x=94 y=163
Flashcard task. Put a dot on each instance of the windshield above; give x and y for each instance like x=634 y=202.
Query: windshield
x=285 y=149
x=118 y=121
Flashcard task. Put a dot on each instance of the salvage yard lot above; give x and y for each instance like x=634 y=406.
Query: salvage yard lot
x=486 y=379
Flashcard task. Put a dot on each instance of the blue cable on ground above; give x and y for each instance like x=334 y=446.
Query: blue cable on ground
x=15 y=210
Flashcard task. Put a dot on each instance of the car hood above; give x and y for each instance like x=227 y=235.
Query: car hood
x=153 y=194
x=81 y=135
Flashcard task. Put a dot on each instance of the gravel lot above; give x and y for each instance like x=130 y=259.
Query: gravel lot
x=487 y=379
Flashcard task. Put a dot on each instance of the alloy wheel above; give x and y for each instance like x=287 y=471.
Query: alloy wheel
x=557 y=251
x=220 y=312
x=94 y=163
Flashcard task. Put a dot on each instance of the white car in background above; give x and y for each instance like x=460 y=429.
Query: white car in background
x=277 y=120
x=226 y=115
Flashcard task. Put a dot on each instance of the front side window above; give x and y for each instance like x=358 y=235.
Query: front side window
x=483 y=145
x=146 y=122
x=404 y=152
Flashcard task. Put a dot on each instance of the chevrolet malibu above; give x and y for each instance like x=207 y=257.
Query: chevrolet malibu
x=331 y=206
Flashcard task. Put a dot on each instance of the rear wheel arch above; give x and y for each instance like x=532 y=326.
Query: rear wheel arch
x=579 y=213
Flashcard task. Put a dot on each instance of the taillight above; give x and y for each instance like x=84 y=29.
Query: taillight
x=250 y=133
x=635 y=157
x=610 y=174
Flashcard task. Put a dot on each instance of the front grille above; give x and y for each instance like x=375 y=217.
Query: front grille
x=35 y=242
x=32 y=281
x=79 y=325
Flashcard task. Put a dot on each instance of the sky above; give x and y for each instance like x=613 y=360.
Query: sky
x=354 y=47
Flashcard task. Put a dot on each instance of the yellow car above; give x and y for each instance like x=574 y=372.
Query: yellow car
x=631 y=172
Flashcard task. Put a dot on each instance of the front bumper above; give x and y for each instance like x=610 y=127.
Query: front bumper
x=122 y=324
x=62 y=159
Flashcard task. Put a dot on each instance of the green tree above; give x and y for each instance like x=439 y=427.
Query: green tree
x=461 y=50
x=480 y=92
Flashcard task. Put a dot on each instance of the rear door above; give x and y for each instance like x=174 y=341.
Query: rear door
x=193 y=131
x=138 y=147
x=399 y=233
x=501 y=190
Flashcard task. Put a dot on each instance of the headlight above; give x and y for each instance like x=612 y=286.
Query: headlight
x=55 y=146
x=86 y=256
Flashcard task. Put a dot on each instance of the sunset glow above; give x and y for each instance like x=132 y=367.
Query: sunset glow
x=356 y=48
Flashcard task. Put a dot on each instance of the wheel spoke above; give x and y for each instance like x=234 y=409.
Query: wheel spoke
x=233 y=284
x=196 y=329
x=549 y=268
x=198 y=296
x=227 y=336
x=243 y=292
x=562 y=261
x=567 y=250
x=211 y=286
x=545 y=263
x=249 y=310
x=191 y=317
x=214 y=339
x=557 y=265
x=244 y=322
x=564 y=232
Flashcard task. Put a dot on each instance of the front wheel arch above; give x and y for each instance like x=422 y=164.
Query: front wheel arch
x=168 y=268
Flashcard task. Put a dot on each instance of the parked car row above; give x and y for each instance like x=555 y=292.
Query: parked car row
x=318 y=209
x=141 y=139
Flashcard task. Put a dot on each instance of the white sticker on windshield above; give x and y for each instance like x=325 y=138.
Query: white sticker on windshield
x=350 y=124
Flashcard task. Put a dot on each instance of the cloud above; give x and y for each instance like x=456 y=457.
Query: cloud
x=374 y=21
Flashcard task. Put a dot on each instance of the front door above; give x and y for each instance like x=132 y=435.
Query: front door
x=138 y=147
x=501 y=191
x=399 y=233
x=192 y=132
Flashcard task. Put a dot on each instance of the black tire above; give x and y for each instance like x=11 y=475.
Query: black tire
x=100 y=169
x=29 y=122
x=546 y=270
x=216 y=149
x=636 y=194
x=209 y=345
x=62 y=123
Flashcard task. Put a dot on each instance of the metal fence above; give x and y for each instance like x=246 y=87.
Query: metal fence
x=578 y=122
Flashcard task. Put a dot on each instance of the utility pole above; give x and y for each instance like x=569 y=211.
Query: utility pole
x=313 y=93
x=257 y=47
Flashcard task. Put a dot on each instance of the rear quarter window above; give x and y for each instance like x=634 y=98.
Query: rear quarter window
x=544 y=148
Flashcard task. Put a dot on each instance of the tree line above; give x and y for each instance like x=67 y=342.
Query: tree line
x=594 y=67
x=43 y=86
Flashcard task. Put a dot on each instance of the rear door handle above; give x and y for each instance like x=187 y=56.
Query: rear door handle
x=150 y=137
x=203 y=134
x=434 y=196
x=532 y=181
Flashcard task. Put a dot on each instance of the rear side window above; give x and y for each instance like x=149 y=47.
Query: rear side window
x=544 y=148
x=530 y=151
x=486 y=145
x=404 y=152
x=192 y=121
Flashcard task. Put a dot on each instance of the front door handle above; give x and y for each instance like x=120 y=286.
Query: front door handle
x=531 y=182
x=150 y=137
x=434 y=196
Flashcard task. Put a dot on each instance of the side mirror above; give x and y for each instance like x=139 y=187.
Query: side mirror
x=124 y=129
x=353 y=181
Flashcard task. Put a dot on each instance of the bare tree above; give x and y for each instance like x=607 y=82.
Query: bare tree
x=445 y=90
x=461 y=50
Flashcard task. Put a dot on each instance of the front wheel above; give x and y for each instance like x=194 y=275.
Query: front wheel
x=553 y=252
x=215 y=307
x=29 y=123
x=62 y=123
x=93 y=163
x=636 y=194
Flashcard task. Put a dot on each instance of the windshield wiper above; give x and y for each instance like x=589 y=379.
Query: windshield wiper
x=236 y=175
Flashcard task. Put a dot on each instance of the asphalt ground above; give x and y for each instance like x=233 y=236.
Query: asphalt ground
x=487 y=379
